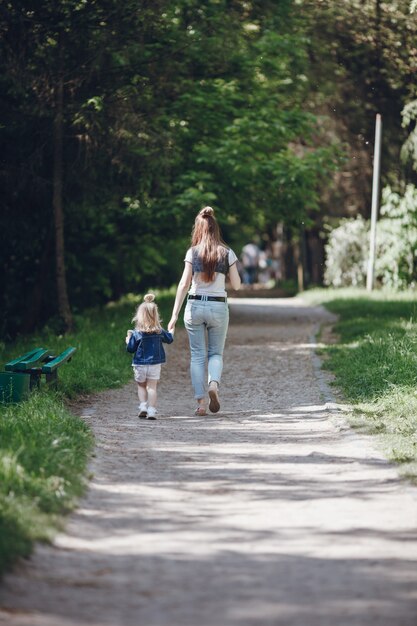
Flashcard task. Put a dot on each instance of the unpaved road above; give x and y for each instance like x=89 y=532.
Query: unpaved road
x=271 y=513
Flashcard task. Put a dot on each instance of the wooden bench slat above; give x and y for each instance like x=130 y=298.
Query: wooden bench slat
x=9 y=366
x=24 y=373
x=28 y=360
x=58 y=360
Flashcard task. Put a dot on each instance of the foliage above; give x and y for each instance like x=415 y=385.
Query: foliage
x=409 y=148
x=346 y=253
x=375 y=363
x=173 y=104
x=395 y=264
x=373 y=44
x=167 y=106
x=362 y=62
x=396 y=245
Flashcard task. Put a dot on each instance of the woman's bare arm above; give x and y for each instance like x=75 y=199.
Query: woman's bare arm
x=234 y=276
x=182 y=289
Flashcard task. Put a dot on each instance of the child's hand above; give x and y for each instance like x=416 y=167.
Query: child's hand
x=129 y=333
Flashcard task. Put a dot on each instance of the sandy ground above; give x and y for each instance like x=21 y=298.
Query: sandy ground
x=271 y=513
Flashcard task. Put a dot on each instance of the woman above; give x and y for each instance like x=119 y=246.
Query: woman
x=207 y=264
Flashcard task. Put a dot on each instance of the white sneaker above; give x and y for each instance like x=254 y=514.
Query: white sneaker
x=143 y=410
x=151 y=413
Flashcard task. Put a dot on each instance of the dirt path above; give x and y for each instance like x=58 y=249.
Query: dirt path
x=270 y=514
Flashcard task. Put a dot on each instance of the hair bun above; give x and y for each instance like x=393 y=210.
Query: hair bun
x=150 y=297
x=207 y=212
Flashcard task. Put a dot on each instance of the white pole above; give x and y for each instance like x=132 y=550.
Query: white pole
x=375 y=202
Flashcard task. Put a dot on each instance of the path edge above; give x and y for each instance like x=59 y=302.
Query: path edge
x=338 y=411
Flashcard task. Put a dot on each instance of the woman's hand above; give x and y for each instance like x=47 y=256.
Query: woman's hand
x=172 y=322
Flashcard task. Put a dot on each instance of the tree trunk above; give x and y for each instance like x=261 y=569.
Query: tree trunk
x=378 y=18
x=300 y=257
x=33 y=317
x=299 y=265
x=378 y=45
x=315 y=248
x=304 y=258
x=61 y=281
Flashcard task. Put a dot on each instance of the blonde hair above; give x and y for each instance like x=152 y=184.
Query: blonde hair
x=147 y=318
x=211 y=247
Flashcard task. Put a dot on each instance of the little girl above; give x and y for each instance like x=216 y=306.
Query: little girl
x=146 y=344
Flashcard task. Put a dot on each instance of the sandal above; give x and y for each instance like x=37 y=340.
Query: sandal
x=200 y=411
x=214 y=404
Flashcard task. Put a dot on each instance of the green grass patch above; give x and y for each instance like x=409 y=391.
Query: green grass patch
x=44 y=450
x=43 y=456
x=101 y=360
x=375 y=364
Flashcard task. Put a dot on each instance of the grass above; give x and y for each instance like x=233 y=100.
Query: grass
x=44 y=449
x=43 y=457
x=375 y=365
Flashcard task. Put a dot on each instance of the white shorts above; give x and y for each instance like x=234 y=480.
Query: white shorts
x=142 y=373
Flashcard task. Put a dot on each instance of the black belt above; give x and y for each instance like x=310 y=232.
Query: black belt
x=210 y=298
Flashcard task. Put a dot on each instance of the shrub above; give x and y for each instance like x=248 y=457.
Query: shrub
x=347 y=249
x=346 y=253
x=395 y=264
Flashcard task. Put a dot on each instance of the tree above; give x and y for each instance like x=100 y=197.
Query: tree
x=155 y=108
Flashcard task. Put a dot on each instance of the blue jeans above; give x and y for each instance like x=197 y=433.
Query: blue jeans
x=201 y=316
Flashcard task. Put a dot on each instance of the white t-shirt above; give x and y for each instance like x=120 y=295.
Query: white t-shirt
x=216 y=287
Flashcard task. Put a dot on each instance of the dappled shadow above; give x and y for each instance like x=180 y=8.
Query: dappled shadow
x=276 y=310
x=209 y=521
x=262 y=515
x=229 y=589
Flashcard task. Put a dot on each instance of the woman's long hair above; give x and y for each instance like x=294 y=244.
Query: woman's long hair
x=211 y=247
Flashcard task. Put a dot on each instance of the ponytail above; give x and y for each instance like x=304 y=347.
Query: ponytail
x=206 y=235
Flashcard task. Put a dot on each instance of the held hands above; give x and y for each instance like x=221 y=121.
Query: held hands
x=171 y=325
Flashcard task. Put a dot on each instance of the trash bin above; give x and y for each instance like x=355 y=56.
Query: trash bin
x=14 y=386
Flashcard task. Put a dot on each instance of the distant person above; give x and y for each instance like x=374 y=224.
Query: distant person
x=145 y=342
x=207 y=263
x=250 y=260
x=263 y=267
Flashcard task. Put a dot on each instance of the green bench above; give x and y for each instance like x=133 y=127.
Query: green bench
x=25 y=373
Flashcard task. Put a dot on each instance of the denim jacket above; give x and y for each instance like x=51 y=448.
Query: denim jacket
x=148 y=348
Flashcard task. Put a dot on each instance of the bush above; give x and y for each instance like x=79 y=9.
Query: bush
x=346 y=254
x=395 y=264
x=347 y=249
